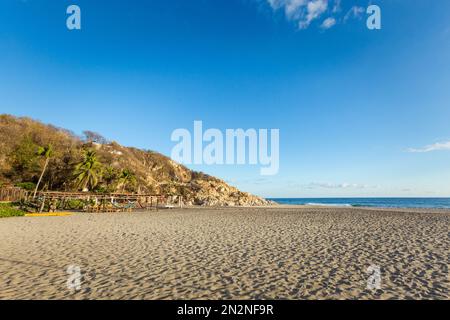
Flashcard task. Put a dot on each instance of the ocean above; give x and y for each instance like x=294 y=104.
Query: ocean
x=439 y=203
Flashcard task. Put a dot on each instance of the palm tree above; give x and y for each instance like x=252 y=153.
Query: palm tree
x=87 y=172
x=47 y=153
x=126 y=178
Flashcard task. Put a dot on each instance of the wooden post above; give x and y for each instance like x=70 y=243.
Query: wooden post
x=42 y=205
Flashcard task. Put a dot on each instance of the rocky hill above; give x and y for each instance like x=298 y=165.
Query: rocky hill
x=116 y=169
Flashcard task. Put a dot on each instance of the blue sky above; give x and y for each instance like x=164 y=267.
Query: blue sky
x=354 y=106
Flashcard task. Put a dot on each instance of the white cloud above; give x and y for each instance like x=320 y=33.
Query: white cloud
x=354 y=12
x=328 y=23
x=303 y=12
x=292 y=8
x=314 y=10
x=339 y=185
x=432 y=147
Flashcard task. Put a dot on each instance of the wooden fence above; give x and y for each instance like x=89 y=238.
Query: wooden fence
x=12 y=194
x=93 y=202
x=54 y=200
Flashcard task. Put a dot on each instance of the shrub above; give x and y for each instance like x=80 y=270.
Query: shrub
x=8 y=210
x=30 y=186
x=100 y=189
x=74 y=204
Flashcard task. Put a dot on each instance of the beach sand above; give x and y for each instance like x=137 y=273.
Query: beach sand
x=230 y=253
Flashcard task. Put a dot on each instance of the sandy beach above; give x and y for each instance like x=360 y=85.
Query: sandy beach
x=229 y=253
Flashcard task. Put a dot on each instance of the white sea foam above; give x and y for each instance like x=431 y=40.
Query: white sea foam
x=328 y=204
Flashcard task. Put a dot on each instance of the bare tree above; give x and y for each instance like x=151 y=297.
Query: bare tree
x=91 y=136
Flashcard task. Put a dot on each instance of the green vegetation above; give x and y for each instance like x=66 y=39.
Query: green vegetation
x=88 y=171
x=29 y=186
x=110 y=177
x=8 y=210
x=74 y=204
x=36 y=157
x=127 y=178
x=23 y=159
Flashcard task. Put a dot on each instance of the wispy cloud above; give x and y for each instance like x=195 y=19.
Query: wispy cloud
x=354 y=12
x=304 y=12
x=337 y=6
x=254 y=181
x=328 y=23
x=314 y=10
x=432 y=147
x=339 y=185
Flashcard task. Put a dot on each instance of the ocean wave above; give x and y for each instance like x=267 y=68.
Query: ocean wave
x=419 y=203
x=358 y=205
x=315 y=204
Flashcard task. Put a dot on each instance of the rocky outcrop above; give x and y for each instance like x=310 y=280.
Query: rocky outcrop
x=214 y=192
